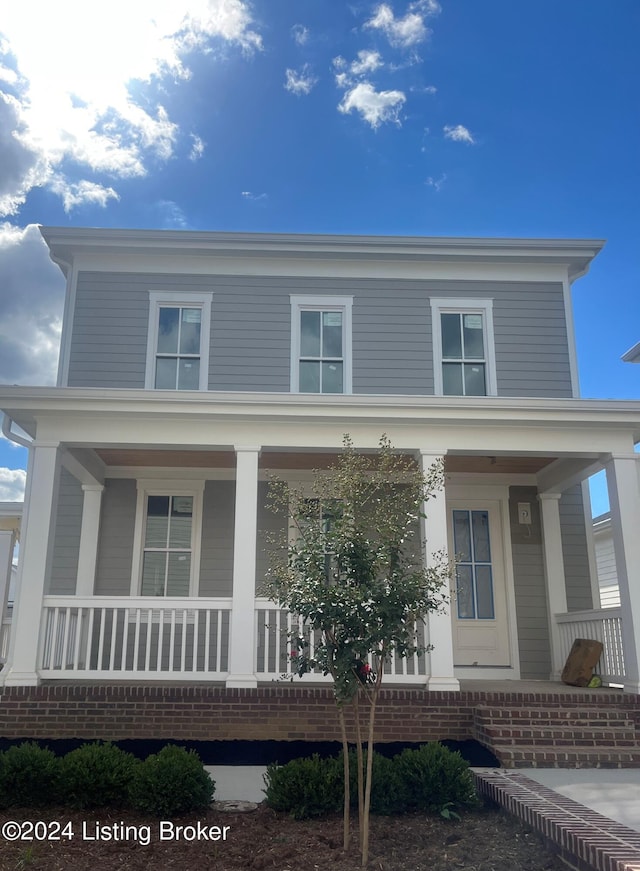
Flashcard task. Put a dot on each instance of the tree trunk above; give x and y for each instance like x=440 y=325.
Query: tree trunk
x=359 y=760
x=367 y=792
x=347 y=795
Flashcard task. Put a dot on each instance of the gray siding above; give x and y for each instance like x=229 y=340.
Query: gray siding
x=115 y=547
x=216 y=555
x=251 y=331
x=574 y=550
x=530 y=592
x=66 y=541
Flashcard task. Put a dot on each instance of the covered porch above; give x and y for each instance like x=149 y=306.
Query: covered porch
x=514 y=468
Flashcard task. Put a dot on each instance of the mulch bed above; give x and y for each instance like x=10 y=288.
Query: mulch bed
x=483 y=840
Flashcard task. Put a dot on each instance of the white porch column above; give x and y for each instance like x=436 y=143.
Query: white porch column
x=553 y=574
x=434 y=536
x=42 y=478
x=88 y=552
x=242 y=644
x=624 y=501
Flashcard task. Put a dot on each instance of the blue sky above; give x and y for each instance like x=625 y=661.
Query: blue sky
x=455 y=117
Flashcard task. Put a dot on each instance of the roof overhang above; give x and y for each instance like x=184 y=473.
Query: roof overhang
x=28 y=406
x=632 y=355
x=66 y=244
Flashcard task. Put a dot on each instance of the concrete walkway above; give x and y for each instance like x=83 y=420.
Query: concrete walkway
x=612 y=792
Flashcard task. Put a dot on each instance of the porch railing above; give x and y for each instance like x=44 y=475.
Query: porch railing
x=105 y=637
x=273 y=660
x=605 y=625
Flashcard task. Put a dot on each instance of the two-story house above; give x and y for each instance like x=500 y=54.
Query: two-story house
x=195 y=363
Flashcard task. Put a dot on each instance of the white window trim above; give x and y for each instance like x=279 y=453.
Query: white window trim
x=157 y=299
x=159 y=487
x=326 y=303
x=484 y=307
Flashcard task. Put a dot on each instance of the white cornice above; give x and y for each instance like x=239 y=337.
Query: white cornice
x=68 y=243
x=27 y=404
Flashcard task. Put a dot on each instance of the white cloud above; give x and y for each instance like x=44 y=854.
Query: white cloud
x=31 y=305
x=368 y=62
x=69 y=80
x=376 y=107
x=22 y=164
x=300 y=34
x=81 y=193
x=248 y=195
x=171 y=215
x=300 y=82
x=407 y=31
x=459 y=134
x=197 y=147
x=347 y=74
x=12 y=483
x=436 y=183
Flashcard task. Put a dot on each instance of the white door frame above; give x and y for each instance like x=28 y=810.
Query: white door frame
x=475 y=491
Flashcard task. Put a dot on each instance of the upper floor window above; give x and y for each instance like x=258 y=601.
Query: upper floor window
x=321 y=344
x=463 y=347
x=178 y=344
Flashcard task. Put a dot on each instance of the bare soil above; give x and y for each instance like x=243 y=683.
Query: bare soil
x=483 y=840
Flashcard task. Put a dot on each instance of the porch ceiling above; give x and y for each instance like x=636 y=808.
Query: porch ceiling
x=306 y=460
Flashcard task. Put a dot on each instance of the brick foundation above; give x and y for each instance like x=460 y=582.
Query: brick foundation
x=277 y=713
x=205 y=713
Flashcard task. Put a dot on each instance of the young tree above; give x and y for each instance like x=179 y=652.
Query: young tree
x=353 y=573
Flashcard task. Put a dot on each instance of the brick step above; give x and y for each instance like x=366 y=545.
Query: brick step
x=583 y=737
x=543 y=716
x=540 y=756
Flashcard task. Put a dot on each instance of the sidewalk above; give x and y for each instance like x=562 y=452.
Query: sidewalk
x=612 y=792
x=584 y=814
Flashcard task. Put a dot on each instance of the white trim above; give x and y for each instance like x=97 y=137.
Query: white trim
x=67 y=327
x=443 y=305
x=571 y=337
x=306 y=302
x=157 y=299
x=158 y=487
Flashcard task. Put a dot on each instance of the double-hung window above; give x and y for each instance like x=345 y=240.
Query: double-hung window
x=178 y=346
x=463 y=346
x=167 y=540
x=321 y=344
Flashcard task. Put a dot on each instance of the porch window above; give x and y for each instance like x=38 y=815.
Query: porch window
x=464 y=357
x=166 y=562
x=321 y=344
x=178 y=347
x=474 y=572
x=167 y=539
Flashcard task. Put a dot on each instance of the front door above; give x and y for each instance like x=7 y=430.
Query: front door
x=478 y=595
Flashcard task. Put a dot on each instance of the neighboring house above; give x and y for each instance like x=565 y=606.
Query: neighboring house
x=193 y=364
x=10 y=519
x=606 y=561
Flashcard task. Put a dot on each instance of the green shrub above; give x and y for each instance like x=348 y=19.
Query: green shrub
x=97 y=775
x=171 y=782
x=431 y=779
x=435 y=779
x=387 y=788
x=29 y=776
x=304 y=788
